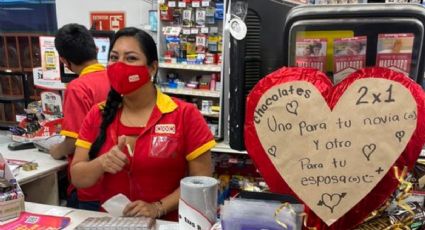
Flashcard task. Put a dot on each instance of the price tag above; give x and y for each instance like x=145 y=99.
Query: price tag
x=171 y=4
x=194 y=30
x=167 y=30
x=182 y=4
x=214 y=30
x=186 y=31
x=172 y=31
x=161 y=1
x=205 y=3
x=195 y=4
x=204 y=30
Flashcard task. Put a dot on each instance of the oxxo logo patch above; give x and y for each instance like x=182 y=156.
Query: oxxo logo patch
x=165 y=128
x=133 y=78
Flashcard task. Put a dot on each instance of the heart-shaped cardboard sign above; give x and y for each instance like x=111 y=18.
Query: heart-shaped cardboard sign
x=334 y=147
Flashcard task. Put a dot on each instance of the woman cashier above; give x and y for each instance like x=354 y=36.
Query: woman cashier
x=141 y=142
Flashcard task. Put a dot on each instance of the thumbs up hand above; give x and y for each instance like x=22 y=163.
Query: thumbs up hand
x=114 y=160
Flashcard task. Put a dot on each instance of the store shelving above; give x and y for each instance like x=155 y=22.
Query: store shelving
x=222 y=147
x=6 y=124
x=12 y=98
x=188 y=33
x=19 y=54
x=211 y=114
x=195 y=67
x=192 y=92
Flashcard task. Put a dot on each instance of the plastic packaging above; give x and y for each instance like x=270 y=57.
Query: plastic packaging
x=240 y=214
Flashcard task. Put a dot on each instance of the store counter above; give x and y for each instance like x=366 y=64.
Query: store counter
x=39 y=185
x=77 y=216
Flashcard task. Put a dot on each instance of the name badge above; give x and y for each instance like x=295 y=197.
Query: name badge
x=165 y=129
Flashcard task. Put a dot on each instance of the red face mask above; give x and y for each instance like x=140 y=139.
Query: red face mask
x=127 y=78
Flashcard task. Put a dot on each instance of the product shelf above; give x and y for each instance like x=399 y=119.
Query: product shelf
x=212 y=114
x=192 y=92
x=222 y=147
x=200 y=67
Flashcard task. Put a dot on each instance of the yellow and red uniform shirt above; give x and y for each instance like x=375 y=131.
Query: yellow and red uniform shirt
x=175 y=134
x=90 y=88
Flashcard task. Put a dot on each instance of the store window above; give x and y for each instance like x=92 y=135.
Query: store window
x=28 y=16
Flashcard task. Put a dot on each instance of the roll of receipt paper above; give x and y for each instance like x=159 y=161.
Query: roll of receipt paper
x=198 y=202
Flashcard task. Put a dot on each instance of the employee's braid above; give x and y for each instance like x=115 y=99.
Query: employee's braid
x=110 y=110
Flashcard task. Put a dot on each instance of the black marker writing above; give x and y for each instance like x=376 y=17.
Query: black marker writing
x=331 y=200
x=292 y=107
x=274 y=126
x=399 y=135
x=346 y=124
x=272 y=150
x=368 y=150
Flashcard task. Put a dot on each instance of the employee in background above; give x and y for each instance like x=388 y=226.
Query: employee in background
x=78 y=53
x=141 y=142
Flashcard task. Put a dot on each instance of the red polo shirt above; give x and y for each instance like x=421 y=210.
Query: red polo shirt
x=175 y=134
x=90 y=88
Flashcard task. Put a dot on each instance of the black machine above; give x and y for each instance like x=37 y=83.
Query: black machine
x=260 y=53
x=21 y=145
x=267 y=48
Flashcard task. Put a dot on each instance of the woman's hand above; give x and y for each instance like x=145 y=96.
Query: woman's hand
x=114 y=160
x=141 y=208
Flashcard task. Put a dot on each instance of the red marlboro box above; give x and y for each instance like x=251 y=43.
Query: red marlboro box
x=349 y=56
x=395 y=51
x=311 y=53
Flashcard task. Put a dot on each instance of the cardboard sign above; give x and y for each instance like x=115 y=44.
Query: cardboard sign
x=333 y=158
x=41 y=82
x=51 y=102
x=49 y=59
x=107 y=20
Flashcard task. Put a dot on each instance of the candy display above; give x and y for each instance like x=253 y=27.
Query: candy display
x=199 y=39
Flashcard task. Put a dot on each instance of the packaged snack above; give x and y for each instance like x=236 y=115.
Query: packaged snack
x=200 y=16
x=191 y=44
x=165 y=13
x=219 y=11
x=173 y=45
x=177 y=16
x=183 y=49
x=188 y=17
x=201 y=43
x=213 y=43
x=209 y=16
x=191 y=58
x=399 y=215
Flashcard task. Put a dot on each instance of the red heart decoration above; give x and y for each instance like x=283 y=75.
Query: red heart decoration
x=406 y=143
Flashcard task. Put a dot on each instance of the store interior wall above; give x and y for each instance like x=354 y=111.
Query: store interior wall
x=78 y=11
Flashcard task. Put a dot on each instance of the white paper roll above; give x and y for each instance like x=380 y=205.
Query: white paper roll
x=199 y=194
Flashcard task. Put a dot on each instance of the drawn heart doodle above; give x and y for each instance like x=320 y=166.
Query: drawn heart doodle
x=337 y=153
x=292 y=107
x=331 y=200
x=368 y=150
